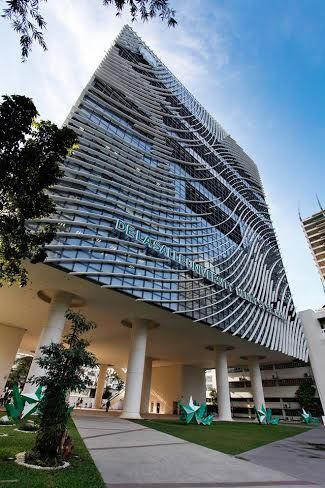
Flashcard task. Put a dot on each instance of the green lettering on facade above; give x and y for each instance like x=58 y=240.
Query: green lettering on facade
x=148 y=241
x=156 y=245
x=120 y=225
x=130 y=231
x=163 y=250
x=200 y=270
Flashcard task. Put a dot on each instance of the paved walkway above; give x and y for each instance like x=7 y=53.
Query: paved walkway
x=302 y=456
x=132 y=456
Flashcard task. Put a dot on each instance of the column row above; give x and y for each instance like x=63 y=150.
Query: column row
x=139 y=369
x=222 y=381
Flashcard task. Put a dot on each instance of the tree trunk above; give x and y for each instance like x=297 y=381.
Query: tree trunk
x=54 y=417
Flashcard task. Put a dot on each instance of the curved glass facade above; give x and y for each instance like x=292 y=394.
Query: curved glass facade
x=159 y=202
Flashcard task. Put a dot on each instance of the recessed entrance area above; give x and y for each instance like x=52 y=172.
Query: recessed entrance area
x=174 y=350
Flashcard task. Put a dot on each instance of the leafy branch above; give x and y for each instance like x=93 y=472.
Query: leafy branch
x=26 y=19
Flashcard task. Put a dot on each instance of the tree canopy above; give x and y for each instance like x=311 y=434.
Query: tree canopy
x=64 y=363
x=30 y=154
x=26 y=18
x=19 y=371
x=117 y=383
x=306 y=395
x=214 y=397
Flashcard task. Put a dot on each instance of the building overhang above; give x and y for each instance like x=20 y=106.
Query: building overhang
x=178 y=340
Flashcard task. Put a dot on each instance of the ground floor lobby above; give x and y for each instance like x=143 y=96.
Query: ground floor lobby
x=165 y=354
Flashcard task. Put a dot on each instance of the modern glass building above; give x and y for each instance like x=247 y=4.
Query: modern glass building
x=162 y=220
x=159 y=202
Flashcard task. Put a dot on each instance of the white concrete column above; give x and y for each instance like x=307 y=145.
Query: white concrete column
x=52 y=332
x=223 y=392
x=101 y=380
x=10 y=339
x=146 y=386
x=315 y=338
x=284 y=415
x=256 y=382
x=134 y=376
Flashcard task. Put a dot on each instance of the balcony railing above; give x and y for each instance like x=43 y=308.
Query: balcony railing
x=272 y=382
x=295 y=381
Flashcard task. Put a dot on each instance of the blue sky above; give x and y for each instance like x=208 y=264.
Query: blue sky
x=257 y=66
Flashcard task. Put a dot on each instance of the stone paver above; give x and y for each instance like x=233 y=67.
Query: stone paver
x=302 y=456
x=132 y=456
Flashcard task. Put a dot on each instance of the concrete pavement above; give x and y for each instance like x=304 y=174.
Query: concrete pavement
x=132 y=456
x=302 y=456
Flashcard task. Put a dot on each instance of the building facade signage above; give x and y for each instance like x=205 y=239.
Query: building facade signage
x=198 y=269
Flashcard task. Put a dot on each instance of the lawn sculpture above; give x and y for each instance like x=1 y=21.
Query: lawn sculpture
x=23 y=404
x=307 y=417
x=195 y=413
x=264 y=416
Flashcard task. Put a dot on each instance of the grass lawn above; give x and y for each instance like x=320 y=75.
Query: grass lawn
x=82 y=472
x=228 y=437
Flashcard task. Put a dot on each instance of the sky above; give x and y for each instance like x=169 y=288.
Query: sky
x=257 y=66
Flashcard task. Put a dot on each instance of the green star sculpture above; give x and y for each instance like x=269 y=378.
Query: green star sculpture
x=23 y=405
x=196 y=413
x=264 y=416
x=307 y=417
x=15 y=408
x=31 y=402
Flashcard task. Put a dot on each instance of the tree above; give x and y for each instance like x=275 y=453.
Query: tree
x=115 y=380
x=306 y=395
x=27 y=21
x=63 y=366
x=19 y=371
x=214 y=397
x=30 y=154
